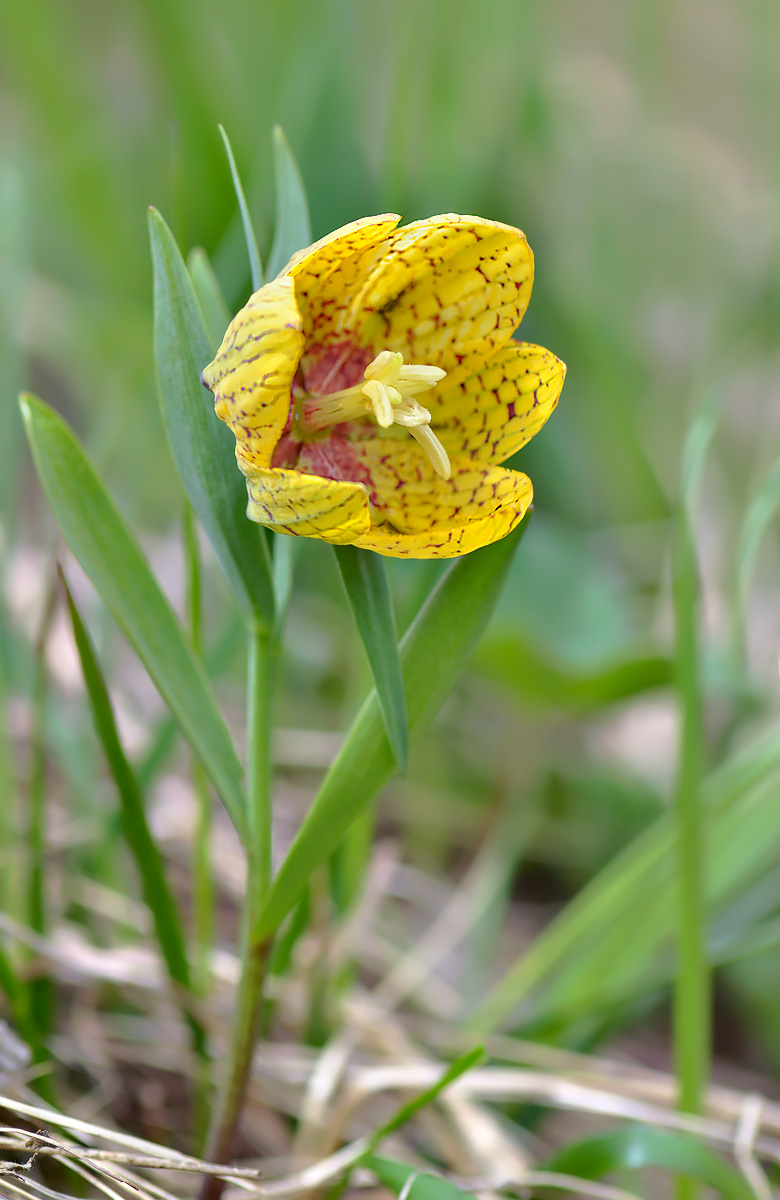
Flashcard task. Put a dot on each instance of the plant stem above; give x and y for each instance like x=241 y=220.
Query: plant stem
x=203 y=884
x=254 y=950
x=692 y=989
x=260 y=700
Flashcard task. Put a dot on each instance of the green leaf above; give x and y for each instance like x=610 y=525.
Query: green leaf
x=209 y=294
x=101 y=541
x=405 y=1113
x=757 y=521
x=285 y=549
x=148 y=860
x=434 y=651
x=517 y=663
x=255 y=264
x=364 y=576
x=415 y=1184
x=636 y=1147
x=293 y=230
x=620 y=908
x=203 y=447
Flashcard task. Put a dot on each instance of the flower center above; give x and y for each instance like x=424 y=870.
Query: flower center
x=388 y=392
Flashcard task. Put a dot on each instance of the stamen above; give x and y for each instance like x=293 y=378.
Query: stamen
x=430 y=376
x=388 y=394
x=438 y=456
x=381 y=398
x=387 y=366
x=410 y=413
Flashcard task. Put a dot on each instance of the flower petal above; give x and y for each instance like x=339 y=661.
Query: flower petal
x=444 y=289
x=499 y=408
x=328 y=273
x=253 y=371
x=418 y=515
x=307 y=505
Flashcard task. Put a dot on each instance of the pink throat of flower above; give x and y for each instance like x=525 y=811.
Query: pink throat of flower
x=324 y=369
x=338 y=387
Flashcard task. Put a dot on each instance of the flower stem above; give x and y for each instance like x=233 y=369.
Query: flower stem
x=254 y=951
x=203 y=883
x=692 y=988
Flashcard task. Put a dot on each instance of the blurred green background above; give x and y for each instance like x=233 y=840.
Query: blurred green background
x=635 y=142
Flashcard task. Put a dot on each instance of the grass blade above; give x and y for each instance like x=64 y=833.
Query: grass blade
x=637 y=1147
x=433 y=653
x=101 y=541
x=148 y=860
x=255 y=264
x=405 y=1113
x=629 y=886
x=203 y=447
x=364 y=576
x=412 y=1183
x=292 y=230
x=757 y=521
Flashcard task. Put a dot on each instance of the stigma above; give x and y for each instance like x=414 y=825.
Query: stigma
x=388 y=392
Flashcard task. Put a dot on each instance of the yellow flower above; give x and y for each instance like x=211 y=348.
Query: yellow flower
x=319 y=376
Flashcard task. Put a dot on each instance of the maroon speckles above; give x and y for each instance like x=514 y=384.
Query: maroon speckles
x=510 y=410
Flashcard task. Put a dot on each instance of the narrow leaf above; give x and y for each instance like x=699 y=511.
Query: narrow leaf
x=255 y=265
x=364 y=576
x=293 y=230
x=413 y=1183
x=203 y=447
x=758 y=520
x=284 y=552
x=107 y=550
x=405 y=1113
x=148 y=860
x=434 y=651
x=636 y=1147
x=209 y=294
x=619 y=907
x=517 y=663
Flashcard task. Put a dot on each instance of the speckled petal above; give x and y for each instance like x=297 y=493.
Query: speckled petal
x=253 y=371
x=499 y=408
x=419 y=515
x=307 y=505
x=449 y=290
x=328 y=273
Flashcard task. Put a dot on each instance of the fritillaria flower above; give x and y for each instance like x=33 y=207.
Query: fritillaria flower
x=374 y=387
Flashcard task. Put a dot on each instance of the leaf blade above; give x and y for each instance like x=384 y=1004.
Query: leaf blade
x=412 y=1183
x=640 y=1146
x=255 y=262
x=143 y=847
x=206 y=285
x=364 y=576
x=433 y=652
x=292 y=230
x=202 y=446
x=101 y=541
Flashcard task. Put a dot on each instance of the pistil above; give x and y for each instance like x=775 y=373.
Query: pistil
x=388 y=393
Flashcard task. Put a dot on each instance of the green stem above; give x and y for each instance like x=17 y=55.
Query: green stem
x=261 y=678
x=40 y=988
x=203 y=883
x=692 y=990
x=9 y=874
x=254 y=950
